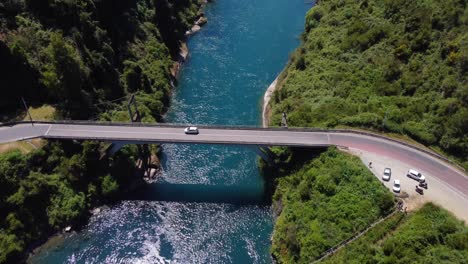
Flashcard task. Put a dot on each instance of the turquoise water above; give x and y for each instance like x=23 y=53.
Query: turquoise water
x=207 y=206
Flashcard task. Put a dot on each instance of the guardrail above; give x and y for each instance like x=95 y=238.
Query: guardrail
x=233 y=127
x=397 y=208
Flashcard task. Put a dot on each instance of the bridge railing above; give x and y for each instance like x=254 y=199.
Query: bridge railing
x=241 y=127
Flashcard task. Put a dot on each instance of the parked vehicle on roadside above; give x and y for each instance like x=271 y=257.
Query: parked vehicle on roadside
x=387 y=173
x=396 y=186
x=423 y=185
x=416 y=175
x=419 y=190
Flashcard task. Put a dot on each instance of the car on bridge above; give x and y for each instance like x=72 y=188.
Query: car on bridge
x=191 y=130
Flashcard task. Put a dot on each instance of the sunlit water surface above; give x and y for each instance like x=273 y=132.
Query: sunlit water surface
x=207 y=205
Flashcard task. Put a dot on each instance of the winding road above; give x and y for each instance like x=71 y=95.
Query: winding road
x=420 y=159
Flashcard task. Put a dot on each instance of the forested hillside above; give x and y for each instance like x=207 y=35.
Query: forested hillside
x=82 y=54
x=393 y=65
x=55 y=186
x=327 y=201
x=84 y=57
x=334 y=196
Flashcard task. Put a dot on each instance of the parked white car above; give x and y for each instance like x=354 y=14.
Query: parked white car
x=416 y=175
x=387 y=173
x=396 y=186
x=191 y=130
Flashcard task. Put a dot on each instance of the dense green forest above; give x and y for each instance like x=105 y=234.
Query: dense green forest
x=430 y=235
x=392 y=65
x=84 y=57
x=55 y=186
x=331 y=198
x=83 y=54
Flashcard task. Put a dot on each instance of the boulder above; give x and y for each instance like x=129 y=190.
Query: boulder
x=201 y=21
x=195 y=29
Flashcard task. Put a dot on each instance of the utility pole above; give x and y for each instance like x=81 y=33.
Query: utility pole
x=27 y=110
x=284 y=120
x=136 y=118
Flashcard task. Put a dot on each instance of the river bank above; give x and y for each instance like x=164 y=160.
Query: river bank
x=200 y=21
x=266 y=100
x=206 y=204
x=55 y=238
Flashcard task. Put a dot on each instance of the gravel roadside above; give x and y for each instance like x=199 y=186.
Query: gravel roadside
x=437 y=192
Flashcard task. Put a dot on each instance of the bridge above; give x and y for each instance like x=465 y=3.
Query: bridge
x=138 y=133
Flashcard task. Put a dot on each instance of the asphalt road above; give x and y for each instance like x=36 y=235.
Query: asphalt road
x=417 y=159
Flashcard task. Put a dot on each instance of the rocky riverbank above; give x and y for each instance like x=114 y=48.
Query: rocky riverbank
x=200 y=21
x=53 y=237
x=266 y=100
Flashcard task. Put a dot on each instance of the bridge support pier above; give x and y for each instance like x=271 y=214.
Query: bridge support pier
x=114 y=147
x=144 y=155
x=144 y=152
x=264 y=153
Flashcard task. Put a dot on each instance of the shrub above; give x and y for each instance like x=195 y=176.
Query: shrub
x=361 y=58
x=325 y=202
x=109 y=186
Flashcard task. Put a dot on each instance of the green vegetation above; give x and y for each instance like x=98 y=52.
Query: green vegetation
x=54 y=186
x=391 y=66
x=23 y=146
x=394 y=66
x=83 y=54
x=430 y=235
x=83 y=57
x=331 y=198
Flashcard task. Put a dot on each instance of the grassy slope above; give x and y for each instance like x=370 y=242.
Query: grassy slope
x=395 y=66
x=45 y=112
x=327 y=201
x=430 y=235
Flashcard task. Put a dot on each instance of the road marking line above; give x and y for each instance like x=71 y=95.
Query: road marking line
x=47 y=132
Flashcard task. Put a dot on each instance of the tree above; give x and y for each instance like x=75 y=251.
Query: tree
x=109 y=186
x=65 y=205
x=64 y=75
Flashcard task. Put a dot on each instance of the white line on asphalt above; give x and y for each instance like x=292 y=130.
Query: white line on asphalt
x=47 y=132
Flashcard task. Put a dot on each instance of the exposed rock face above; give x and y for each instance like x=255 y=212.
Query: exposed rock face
x=266 y=101
x=195 y=28
x=201 y=21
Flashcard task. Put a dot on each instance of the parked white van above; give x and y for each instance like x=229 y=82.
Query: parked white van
x=414 y=174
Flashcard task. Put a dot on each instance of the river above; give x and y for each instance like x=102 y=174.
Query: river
x=207 y=206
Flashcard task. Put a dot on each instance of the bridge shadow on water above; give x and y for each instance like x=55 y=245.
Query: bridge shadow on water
x=200 y=193
x=240 y=194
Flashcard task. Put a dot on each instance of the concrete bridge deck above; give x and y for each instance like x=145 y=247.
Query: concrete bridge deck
x=418 y=158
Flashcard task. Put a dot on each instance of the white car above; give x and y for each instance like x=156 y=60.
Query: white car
x=416 y=175
x=191 y=130
x=387 y=173
x=396 y=186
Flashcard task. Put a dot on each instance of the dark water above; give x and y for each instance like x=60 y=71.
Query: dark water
x=207 y=206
